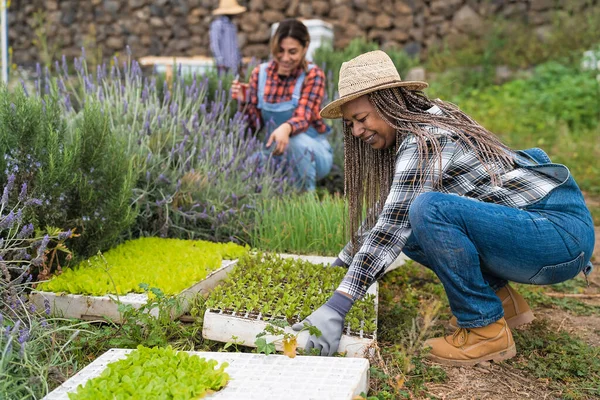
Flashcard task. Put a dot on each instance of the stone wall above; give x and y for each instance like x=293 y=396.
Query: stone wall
x=180 y=27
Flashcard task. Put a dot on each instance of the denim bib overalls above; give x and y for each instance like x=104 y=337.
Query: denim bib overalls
x=309 y=154
x=476 y=247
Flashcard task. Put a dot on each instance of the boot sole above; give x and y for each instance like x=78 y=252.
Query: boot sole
x=516 y=321
x=495 y=357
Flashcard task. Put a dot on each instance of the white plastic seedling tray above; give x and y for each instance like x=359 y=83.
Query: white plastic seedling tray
x=99 y=307
x=222 y=326
x=256 y=376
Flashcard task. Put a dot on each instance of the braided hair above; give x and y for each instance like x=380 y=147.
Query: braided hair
x=369 y=173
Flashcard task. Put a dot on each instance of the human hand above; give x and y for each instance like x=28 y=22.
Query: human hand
x=281 y=137
x=235 y=89
x=329 y=319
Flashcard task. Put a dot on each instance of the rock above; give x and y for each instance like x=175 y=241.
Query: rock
x=540 y=18
x=365 y=20
x=261 y=35
x=115 y=43
x=445 y=7
x=272 y=16
x=112 y=6
x=305 y=10
x=539 y=5
x=277 y=4
x=403 y=22
x=543 y=33
x=468 y=21
x=342 y=14
x=415 y=74
x=413 y=48
x=383 y=21
x=259 y=51
x=398 y=35
x=320 y=8
x=401 y=8
x=250 y=21
x=503 y=74
x=133 y=4
x=156 y=22
x=256 y=5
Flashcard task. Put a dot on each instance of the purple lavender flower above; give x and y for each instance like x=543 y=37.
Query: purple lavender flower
x=23 y=192
x=65 y=235
x=47 y=309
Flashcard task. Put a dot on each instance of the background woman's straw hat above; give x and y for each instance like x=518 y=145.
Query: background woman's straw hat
x=229 y=7
x=364 y=74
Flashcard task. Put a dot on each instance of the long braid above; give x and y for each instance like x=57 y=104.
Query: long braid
x=369 y=173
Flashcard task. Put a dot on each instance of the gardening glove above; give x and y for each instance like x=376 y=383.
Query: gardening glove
x=329 y=319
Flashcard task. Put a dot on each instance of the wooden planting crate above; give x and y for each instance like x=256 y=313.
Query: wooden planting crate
x=258 y=377
x=88 y=307
x=222 y=325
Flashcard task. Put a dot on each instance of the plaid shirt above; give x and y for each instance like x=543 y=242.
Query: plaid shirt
x=280 y=88
x=462 y=174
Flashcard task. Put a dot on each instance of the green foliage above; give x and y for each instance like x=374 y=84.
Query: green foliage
x=509 y=42
x=556 y=108
x=169 y=264
x=287 y=289
x=571 y=366
x=304 y=224
x=79 y=171
x=155 y=373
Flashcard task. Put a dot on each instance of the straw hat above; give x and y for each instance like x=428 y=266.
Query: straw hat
x=229 y=7
x=364 y=74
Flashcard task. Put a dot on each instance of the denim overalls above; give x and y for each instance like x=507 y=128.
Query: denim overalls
x=309 y=154
x=475 y=247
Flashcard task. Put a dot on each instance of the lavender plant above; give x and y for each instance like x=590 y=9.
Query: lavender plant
x=31 y=347
x=197 y=171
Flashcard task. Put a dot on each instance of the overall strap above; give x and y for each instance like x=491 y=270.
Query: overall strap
x=262 y=80
x=298 y=86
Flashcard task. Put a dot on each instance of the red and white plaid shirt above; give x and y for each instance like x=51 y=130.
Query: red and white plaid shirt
x=280 y=88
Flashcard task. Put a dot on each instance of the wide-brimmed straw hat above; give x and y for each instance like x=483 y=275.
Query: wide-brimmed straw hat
x=229 y=7
x=364 y=74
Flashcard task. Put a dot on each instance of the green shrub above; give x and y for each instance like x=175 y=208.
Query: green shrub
x=80 y=171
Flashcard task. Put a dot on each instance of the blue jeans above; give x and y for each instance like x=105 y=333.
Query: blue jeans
x=476 y=247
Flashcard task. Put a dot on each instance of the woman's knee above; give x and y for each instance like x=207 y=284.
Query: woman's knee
x=424 y=206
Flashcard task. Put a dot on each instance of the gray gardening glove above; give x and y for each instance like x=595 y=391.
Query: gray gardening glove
x=329 y=319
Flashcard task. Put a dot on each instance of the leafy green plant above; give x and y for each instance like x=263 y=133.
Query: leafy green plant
x=303 y=224
x=169 y=264
x=289 y=340
x=290 y=290
x=156 y=372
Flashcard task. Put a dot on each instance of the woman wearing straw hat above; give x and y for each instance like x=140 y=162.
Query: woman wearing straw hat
x=223 y=36
x=451 y=196
x=285 y=96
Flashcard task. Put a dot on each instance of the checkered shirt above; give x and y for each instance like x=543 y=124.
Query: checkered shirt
x=280 y=88
x=462 y=174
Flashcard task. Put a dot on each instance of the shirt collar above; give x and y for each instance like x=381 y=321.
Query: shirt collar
x=435 y=110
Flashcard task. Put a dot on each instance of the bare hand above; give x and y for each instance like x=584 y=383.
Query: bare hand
x=235 y=89
x=281 y=137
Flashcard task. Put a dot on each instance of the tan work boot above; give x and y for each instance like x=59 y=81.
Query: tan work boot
x=516 y=309
x=467 y=347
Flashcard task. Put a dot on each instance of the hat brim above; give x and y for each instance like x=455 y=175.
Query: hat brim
x=333 y=110
x=229 y=11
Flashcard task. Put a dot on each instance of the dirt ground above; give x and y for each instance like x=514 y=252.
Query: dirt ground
x=503 y=382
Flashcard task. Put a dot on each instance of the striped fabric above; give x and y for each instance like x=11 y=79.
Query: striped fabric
x=224 y=44
x=462 y=174
x=280 y=88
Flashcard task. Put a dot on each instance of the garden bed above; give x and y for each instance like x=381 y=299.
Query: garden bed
x=131 y=272
x=246 y=315
x=99 y=307
x=256 y=376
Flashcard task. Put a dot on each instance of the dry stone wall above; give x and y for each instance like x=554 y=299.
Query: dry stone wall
x=180 y=27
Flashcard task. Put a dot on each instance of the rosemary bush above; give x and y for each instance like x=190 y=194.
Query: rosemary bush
x=79 y=170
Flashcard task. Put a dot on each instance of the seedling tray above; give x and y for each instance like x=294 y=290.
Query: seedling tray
x=223 y=325
x=256 y=376
x=99 y=307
